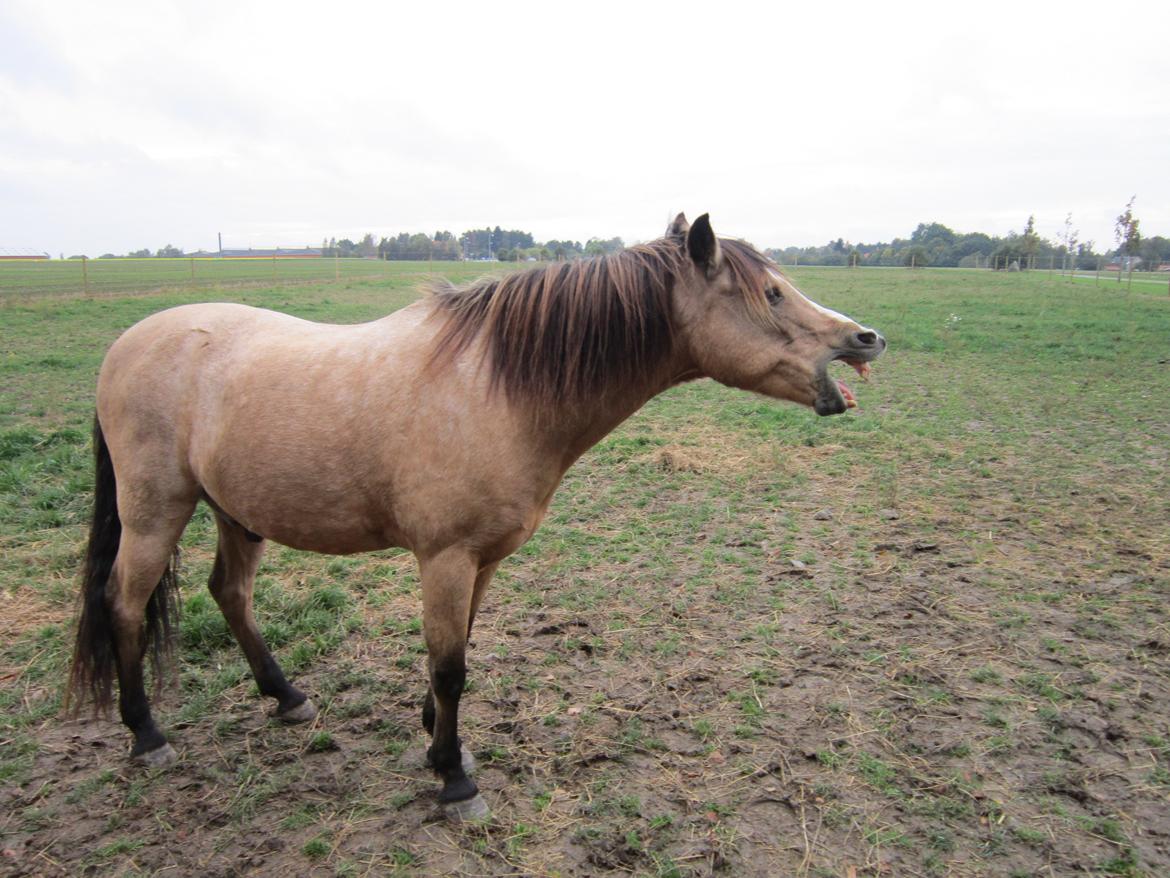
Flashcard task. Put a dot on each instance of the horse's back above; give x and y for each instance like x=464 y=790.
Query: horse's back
x=190 y=345
x=271 y=416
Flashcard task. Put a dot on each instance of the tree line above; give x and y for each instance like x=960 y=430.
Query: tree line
x=503 y=245
x=934 y=244
x=930 y=244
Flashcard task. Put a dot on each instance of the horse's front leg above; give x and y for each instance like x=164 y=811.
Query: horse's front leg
x=448 y=584
x=482 y=578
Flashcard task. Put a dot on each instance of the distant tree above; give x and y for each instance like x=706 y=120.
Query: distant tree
x=1068 y=237
x=168 y=252
x=1086 y=258
x=1030 y=243
x=445 y=246
x=597 y=246
x=419 y=247
x=944 y=247
x=1009 y=251
x=1128 y=235
x=140 y=254
x=970 y=246
x=562 y=250
x=485 y=243
x=366 y=248
x=1154 y=252
x=915 y=255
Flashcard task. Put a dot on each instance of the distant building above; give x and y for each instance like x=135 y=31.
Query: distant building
x=1123 y=263
x=264 y=253
x=21 y=253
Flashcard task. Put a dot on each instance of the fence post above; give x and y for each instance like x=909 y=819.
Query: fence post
x=192 y=269
x=336 y=266
x=85 y=273
x=1097 y=280
x=274 y=267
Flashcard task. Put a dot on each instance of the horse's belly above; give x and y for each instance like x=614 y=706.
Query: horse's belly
x=319 y=508
x=327 y=541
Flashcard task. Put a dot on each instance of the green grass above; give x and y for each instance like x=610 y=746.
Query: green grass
x=21 y=280
x=988 y=597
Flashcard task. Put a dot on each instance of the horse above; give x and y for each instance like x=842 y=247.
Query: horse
x=443 y=428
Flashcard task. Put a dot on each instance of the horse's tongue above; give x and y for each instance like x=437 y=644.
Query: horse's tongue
x=850 y=402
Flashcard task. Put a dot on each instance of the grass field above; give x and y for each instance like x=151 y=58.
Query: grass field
x=929 y=637
x=106 y=276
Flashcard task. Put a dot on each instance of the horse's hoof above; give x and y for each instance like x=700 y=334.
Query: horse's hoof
x=302 y=713
x=159 y=757
x=473 y=810
x=467 y=759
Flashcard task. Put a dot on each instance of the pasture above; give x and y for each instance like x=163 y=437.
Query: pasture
x=122 y=275
x=927 y=637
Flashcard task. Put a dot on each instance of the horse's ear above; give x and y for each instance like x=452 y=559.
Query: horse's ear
x=679 y=228
x=703 y=246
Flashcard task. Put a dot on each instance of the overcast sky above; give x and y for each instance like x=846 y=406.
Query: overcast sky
x=281 y=124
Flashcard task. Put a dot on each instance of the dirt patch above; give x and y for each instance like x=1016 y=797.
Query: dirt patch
x=902 y=716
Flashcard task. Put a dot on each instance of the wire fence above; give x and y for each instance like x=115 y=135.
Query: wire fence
x=34 y=278
x=29 y=278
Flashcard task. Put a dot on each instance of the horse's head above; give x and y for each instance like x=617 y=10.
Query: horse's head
x=746 y=325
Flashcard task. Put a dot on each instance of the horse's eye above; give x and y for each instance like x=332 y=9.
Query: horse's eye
x=774 y=295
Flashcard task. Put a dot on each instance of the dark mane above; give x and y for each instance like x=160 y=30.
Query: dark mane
x=565 y=332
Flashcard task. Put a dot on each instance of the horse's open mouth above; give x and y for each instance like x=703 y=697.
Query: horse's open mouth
x=862 y=369
x=835 y=396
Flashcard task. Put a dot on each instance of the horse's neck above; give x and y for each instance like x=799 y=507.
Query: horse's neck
x=579 y=426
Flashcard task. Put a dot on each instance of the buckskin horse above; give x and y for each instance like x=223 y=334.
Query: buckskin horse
x=444 y=428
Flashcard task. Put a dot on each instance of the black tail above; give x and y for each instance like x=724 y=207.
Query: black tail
x=92 y=673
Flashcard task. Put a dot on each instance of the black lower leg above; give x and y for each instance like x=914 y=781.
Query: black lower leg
x=445 y=754
x=272 y=683
x=135 y=709
x=231 y=583
x=428 y=712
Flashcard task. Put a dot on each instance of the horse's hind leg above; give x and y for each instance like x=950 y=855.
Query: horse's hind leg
x=232 y=579
x=143 y=566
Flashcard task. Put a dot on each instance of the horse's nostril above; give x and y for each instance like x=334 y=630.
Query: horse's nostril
x=868 y=338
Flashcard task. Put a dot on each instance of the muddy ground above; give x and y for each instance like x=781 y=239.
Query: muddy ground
x=964 y=690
